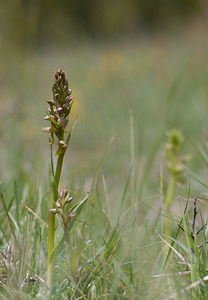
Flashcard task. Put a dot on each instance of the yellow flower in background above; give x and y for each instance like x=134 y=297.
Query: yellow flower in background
x=108 y=67
x=112 y=61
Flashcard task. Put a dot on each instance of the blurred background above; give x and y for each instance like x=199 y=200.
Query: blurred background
x=33 y=24
x=141 y=58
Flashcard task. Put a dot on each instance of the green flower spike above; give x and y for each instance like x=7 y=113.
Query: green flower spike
x=175 y=166
x=59 y=109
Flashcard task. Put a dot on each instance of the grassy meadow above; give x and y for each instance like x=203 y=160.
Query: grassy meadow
x=127 y=96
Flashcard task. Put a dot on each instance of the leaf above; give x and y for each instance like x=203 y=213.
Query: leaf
x=196 y=177
x=70 y=132
x=77 y=208
x=53 y=121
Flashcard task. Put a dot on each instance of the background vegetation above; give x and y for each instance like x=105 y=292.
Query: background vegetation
x=33 y=23
x=137 y=69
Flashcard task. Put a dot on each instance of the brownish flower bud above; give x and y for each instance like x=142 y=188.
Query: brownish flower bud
x=72 y=214
x=51 y=102
x=56 y=75
x=47 y=129
x=68 y=99
x=69 y=200
x=63 y=144
x=53 y=210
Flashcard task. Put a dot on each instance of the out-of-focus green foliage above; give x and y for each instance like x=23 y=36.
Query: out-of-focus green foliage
x=33 y=21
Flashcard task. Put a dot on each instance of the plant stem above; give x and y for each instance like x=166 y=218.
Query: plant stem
x=51 y=230
x=59 y=168
x=51 y=222
x=168 y=203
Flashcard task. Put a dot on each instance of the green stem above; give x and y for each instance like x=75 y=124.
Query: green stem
x=168 y=203
x=59 y=168
x=51 y=222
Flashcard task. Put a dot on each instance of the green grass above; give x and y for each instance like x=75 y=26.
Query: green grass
x=135 y=93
